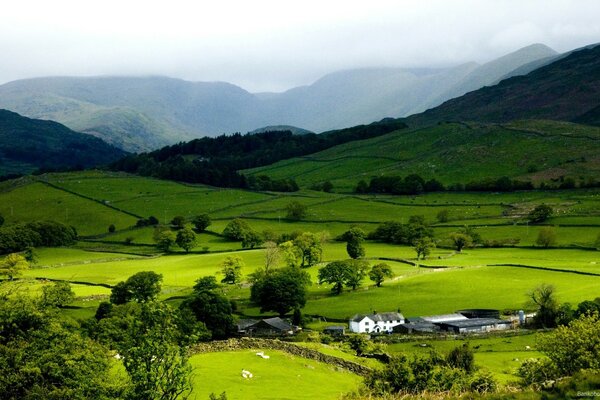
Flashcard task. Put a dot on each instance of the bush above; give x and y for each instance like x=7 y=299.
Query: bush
x=546 y=237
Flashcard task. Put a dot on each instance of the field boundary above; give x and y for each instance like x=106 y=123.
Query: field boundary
x=545 y=269
x=275 y=344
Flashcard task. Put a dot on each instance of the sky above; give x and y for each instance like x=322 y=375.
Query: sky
x=275 y=45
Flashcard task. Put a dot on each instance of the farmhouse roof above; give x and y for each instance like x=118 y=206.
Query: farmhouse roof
x=379 y=317
x=278 y=323
x=443 y=318
x=245 y=323
x=475 y=322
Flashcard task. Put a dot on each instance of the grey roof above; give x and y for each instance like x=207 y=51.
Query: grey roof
x=245 y=323
x=278 y=323
x=383 y=317
x=335 y=328
x=473 y=322
x=444 y=318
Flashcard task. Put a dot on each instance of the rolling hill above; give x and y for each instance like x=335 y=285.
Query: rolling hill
x=538 y=151
x=28 y=144
x=145 y=113
x=566 y=90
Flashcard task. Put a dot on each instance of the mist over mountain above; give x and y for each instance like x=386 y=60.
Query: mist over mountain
x=144 y=113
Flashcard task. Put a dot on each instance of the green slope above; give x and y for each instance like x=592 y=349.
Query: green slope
x=27 y=144
x=454 y=152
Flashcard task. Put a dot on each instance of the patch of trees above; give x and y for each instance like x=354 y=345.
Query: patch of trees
x=215 y=161
x=280 y=290
x=19 y=237
x=184 y=237
x=265 y=183
x=550 y=313
x=399 y=233
x=432 y=373
x=346 y=273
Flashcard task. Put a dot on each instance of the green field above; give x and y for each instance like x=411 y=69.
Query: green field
x=282 y=376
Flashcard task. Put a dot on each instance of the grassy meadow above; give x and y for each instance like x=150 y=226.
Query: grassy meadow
x=92 y=200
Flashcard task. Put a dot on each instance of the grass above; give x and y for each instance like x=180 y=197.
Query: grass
x=282 y=376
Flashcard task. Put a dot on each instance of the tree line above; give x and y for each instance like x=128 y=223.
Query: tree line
x=216 y=161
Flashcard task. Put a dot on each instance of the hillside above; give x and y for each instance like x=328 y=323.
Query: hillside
x=145 y=113
x=454 y=153
x=567 y=89
x=28 y=144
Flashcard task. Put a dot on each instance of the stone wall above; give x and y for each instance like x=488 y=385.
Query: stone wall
x=274 y=344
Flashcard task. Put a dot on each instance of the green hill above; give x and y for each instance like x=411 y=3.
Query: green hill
x=27 y=144
x=567 y=89
x=454 y=152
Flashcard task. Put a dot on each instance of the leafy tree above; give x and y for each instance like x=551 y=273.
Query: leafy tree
x=295 y=211
x=423 y=247
x=472 y=232
x=280 y=290
x=540 y=213
x=379 y=272
x=358 y=271
x=206 y=283
x=354 y=239
x=310 y=248
x=443 y=215
x=141 y=287
x=186 y=239
x=544 y=299
x=59 y=294
x=460 y=240
x=362 y=187
x=272 y=255
x=156 y=363
x=13 y=265
x=164 y=239
x=30 y=255
x=588 y=307
x=546 y=237
x=111 y=228
x=43 y=358
x=335 y=273
x=236 y=229
x=231 y=268
x=201 y=222
x=178 y=222
x=251 y=239
x=327 y=187
x=574 y=347
x=462 y=357
x=213 y=309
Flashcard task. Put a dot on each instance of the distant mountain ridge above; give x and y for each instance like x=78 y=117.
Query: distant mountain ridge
x=144 y=113
x=28 y=144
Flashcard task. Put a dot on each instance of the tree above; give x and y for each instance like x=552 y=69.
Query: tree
x=335 y=273
x=201 y=222
x=310 y=248
x=588 y=307
x=460 y=240
x=379 y=272
x=280 y=290
x=272 y=255
x=206 y=283
x=111 y=228
x=178 y=222
x=546 y=237
x=211 y=308
x=544 y=299
x=13 y=265
x=186 y=239
x=231 y=268
x=164 y=239
x=327 y=186
x=357 y=272
x=362 y=187
x=236 y=229
x=251 y=239
x=443 y=216
x=540 y=213
x=156 y=363
x=423 y=247
x=141 y=287
x=295 y=211
x=462 y=357
x=574 y=347
x=354 y=238
x=59 y=294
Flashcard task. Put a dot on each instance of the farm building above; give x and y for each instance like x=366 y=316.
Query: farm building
x=336 y=330
x=473 y=325
x=416 y=327
x=265 y=327
x=375 y=323
x=438 y=319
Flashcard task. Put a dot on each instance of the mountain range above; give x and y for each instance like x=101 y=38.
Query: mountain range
x=145 y=113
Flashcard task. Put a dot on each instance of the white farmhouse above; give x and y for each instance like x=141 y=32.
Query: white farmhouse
x=375 y=323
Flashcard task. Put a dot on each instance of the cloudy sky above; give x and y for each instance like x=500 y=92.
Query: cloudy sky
x=275 y=45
